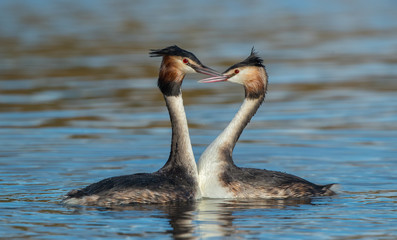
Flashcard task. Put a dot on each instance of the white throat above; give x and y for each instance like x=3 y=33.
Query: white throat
x=213 y=160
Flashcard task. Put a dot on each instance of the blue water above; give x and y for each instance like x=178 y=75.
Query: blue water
x=79 y=103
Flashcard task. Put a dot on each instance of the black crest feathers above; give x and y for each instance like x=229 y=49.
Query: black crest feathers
x=252 y=60
x=173 y=51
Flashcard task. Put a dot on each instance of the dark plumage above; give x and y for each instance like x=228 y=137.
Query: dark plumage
x=157 y=187
x=252 y=60
x=260 y=183
x=177 y=180
x=173 y=51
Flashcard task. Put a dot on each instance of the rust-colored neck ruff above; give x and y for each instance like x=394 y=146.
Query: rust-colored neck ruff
x=170 y=77
x=255 y=85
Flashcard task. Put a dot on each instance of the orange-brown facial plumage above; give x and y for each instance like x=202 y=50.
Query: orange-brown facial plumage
x=171 y=69
x=253 y=78
x=255 y=82
x=172 y=72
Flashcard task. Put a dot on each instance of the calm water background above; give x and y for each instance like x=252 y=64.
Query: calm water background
x=79 y=103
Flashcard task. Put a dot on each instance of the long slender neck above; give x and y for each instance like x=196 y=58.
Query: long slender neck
x=181 y=155
x=228 y=138
x=181 y=159
x=221 y=149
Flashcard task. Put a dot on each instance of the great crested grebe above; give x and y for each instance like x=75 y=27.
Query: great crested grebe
x=219 y=177
x=177 y=180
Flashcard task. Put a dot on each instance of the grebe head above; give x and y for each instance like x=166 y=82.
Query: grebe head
x=251 y=73
x=181 y=60
x=176 y=63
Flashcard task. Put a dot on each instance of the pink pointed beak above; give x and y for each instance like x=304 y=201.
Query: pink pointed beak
x=221 y=78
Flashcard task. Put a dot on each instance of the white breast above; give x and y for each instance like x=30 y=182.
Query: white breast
x=209 y=170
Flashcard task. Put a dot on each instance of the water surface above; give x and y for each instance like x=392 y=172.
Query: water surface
x=79 y=103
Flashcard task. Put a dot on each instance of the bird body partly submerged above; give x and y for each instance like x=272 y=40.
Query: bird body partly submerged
x=219 y=177
x=242 y=183
x=177 y=180
x=157 y=187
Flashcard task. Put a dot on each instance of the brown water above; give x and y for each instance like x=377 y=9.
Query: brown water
x=79 y=103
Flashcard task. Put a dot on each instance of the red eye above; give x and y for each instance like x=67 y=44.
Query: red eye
x=236 y=71
x=185 y=60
